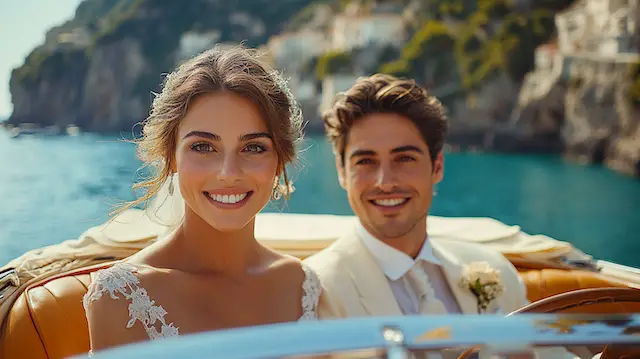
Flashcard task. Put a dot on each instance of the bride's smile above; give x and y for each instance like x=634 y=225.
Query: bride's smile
x=228 y=199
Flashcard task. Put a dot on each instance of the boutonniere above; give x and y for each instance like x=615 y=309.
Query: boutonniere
x=483 y=281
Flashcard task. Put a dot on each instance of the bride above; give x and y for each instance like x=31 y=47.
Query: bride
x=225 y=126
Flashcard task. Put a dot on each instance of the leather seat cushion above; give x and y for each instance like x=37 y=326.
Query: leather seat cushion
x=48 y=320
x=544 y=283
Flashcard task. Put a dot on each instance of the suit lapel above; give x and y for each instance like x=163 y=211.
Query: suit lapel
x=375 y=293
x=453 y=272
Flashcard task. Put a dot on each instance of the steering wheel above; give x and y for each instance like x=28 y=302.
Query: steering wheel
x=626 y=300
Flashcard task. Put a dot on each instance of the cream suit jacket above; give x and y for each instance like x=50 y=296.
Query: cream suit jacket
x=354 y=285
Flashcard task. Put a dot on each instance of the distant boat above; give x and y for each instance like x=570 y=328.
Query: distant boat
x=73 y=130
x=34 y=129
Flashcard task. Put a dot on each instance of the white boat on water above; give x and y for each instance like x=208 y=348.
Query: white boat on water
x=41 y=291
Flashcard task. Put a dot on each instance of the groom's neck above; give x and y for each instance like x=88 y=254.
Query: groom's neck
x=409 y=243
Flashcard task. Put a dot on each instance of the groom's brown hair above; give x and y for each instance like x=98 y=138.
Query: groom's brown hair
x=381 y=93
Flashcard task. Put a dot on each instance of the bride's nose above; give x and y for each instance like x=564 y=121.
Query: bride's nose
x=230 y=169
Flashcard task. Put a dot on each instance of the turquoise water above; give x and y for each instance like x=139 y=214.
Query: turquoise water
x=53 y=188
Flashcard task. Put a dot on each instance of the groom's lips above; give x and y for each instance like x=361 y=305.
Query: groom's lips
x=390 y=204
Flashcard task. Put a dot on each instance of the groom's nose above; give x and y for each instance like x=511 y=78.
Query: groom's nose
x=386 y=180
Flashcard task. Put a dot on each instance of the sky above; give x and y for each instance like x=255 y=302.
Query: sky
x=23 y=24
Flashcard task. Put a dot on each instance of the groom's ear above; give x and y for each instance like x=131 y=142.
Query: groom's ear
x=340 y=170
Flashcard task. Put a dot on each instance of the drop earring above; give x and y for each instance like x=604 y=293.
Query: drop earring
x=171 y=185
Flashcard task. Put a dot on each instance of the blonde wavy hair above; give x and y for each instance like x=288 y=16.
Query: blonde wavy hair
x=230 y=69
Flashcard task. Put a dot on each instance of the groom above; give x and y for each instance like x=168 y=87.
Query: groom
x=387 y=135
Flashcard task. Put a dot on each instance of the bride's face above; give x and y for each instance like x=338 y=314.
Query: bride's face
x=225 y=160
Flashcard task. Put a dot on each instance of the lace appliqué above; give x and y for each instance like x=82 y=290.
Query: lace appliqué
x=121 y=279
x=311 y=290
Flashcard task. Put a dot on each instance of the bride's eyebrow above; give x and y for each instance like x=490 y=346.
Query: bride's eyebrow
x=253 y=136
x=214 y=137
x=209 y=135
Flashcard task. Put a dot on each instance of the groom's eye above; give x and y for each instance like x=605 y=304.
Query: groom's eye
x=364 y=161
x=406 y=159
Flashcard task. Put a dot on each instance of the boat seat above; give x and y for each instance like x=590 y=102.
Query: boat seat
x=544 y=283
x=48 y=321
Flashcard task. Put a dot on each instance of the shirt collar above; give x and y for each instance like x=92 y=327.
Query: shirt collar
x=393 y=262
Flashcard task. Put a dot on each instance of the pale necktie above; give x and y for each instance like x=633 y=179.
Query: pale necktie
x=428 y=302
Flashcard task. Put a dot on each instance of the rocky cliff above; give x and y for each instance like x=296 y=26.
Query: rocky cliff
x=100 y=74
x=590 y=116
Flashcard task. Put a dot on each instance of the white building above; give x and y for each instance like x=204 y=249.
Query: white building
x=571 y=29
x=291 y=50
x=547 y=57
x=603 y=28
x=353 y=30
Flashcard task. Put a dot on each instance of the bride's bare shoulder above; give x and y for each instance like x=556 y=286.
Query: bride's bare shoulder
x=106 y=304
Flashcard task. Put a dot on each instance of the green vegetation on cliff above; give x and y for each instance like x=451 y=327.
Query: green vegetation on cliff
x=333 y=62
x=467 y=41
x=486 y=37
x=431 y=40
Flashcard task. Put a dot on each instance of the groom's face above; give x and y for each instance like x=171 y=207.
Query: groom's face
x=388 y=175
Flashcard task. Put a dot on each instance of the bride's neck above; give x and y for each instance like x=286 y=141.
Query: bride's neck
x=206 y=250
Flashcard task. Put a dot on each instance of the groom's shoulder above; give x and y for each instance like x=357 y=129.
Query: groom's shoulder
x=331 y=259
x=467 y=252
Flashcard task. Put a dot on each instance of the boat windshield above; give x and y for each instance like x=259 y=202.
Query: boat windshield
x=447 y=336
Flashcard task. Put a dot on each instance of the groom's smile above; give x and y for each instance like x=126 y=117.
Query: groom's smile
x=390 y=205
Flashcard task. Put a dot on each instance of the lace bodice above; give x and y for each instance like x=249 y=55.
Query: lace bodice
x=121 y=280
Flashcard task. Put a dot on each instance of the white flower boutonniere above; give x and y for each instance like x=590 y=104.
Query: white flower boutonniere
x=483 y=281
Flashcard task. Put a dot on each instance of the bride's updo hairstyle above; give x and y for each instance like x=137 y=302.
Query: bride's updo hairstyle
x=222 y=69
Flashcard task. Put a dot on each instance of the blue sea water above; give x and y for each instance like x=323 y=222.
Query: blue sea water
x=54 y=188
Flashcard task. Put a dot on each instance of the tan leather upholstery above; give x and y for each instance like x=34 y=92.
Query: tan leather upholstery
x=544 y=283
x=48 y=320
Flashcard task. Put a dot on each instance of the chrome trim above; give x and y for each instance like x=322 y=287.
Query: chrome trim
x=620 y=267
x=583 y=264
x=394 y=339
x=8 y=278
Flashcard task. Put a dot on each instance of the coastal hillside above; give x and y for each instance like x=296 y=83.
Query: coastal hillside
x=98 y=70
x=487 y=61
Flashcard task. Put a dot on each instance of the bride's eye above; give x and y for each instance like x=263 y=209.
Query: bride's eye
x=255 y=148
x=202 y=147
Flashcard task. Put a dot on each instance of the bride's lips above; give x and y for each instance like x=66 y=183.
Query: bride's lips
x=228 y=199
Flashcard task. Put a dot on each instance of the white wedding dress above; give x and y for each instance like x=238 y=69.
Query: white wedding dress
x=121 y=280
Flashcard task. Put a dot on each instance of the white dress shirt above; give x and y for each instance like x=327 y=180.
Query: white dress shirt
x=396 y=264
